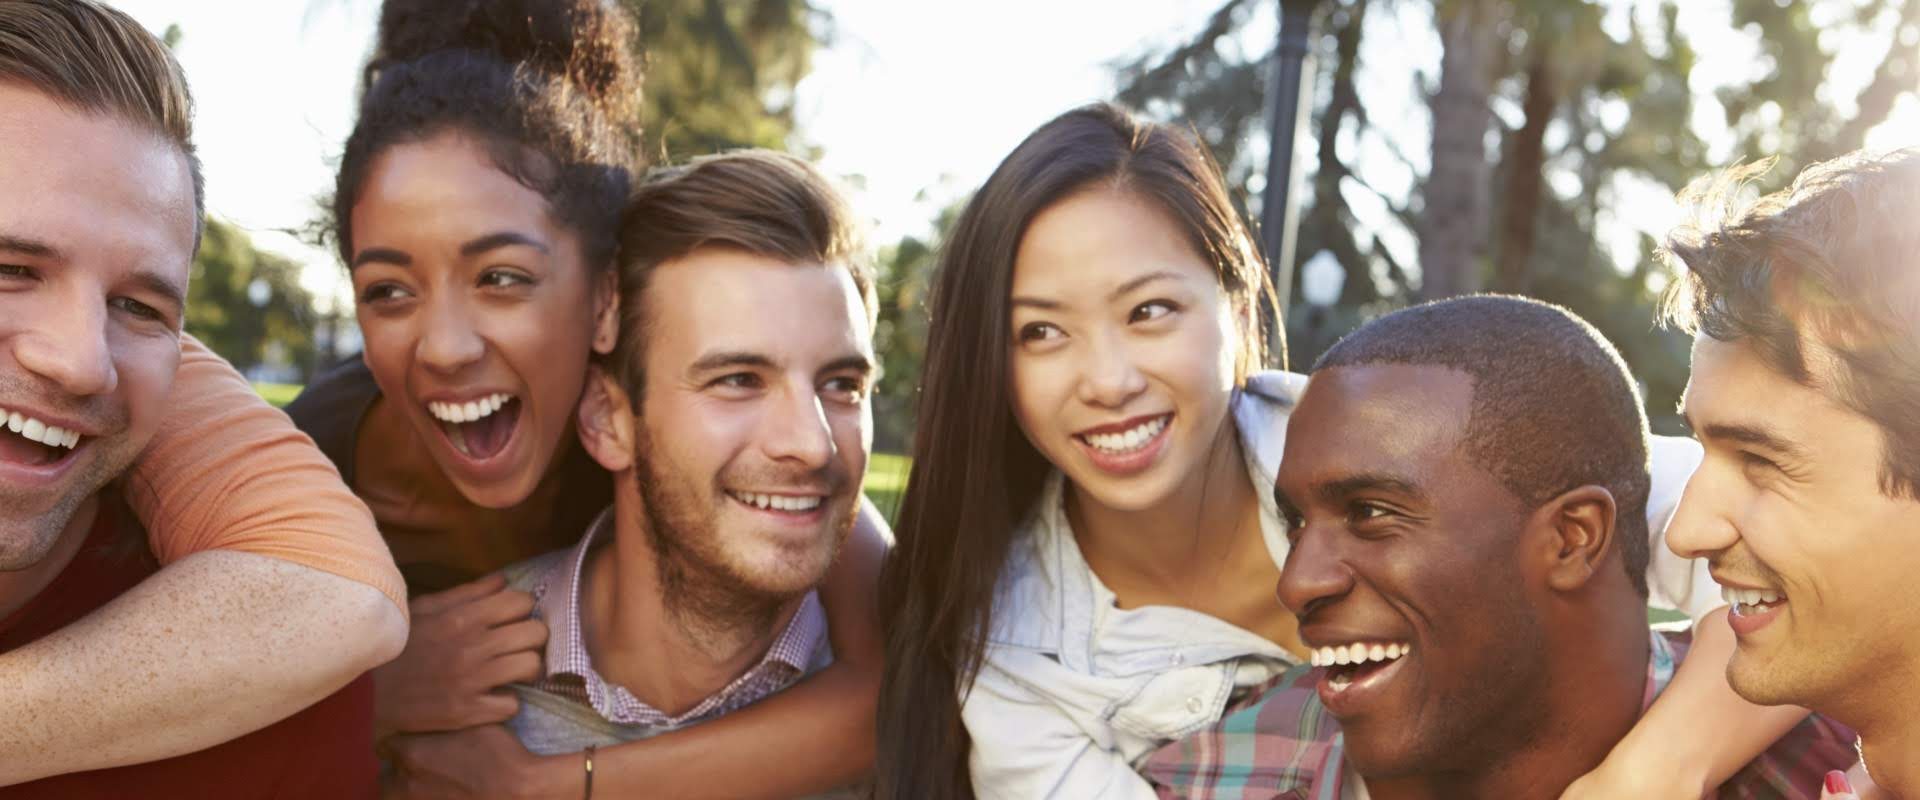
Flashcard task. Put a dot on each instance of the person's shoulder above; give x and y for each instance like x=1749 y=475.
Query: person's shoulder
x=533 y=573
x=330 y=408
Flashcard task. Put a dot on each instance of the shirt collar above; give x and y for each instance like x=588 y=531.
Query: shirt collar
x=792 y=652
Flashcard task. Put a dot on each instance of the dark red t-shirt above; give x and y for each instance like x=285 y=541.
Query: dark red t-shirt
x=325 y=751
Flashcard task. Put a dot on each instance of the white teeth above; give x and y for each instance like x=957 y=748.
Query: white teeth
x=1356 y=653
x=1129 y=440
x=1749 y=597
x=34 y=430
x=779 y=502
x=468 y=412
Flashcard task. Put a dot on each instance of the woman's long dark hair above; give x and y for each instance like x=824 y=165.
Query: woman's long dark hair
x=975 y=476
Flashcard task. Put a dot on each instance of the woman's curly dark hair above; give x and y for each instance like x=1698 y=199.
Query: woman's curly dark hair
x=550 y=86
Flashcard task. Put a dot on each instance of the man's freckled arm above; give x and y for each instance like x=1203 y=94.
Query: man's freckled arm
x=276 y=591
x=218 y=645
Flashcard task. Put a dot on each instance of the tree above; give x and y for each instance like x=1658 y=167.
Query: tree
x=247 y=304
x=1557 y=110
x=721 y=75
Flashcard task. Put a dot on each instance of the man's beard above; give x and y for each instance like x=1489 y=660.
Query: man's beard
x=708 y=594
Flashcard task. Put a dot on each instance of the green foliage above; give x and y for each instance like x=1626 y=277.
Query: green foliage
x=248 y=305
x=1613 y=109
x=902 y=272
x=721 y=75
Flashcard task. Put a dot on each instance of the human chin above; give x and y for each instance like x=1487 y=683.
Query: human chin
x=784 y=542
x=1124 y=463
x=34 y=516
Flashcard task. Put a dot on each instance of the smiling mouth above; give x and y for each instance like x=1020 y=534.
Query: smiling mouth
x=1752 y=602
x=1131 y=440
x=1350 y=663
x=478 y=429
x=789 y=503
x=28 y=441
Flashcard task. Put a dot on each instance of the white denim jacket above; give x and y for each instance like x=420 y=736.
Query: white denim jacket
x=1074 y=690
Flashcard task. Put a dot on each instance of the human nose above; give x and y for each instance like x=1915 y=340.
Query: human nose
x=1701 y=525
x=70 y=349
x=798 y=430
x=1314 y=573
x=1109 y=376
x=449 y=341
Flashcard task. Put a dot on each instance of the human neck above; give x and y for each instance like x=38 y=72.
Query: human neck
x=1594 y=684
x=673 y=651
x=19 y=587
x=1890 y=740
x=1184 y=537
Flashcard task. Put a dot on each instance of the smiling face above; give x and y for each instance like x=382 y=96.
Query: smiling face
x=754 y=418
x=1123 y=349
x=1400 y=542
x=96 y=232
x=1788 y=509
x=478 y=311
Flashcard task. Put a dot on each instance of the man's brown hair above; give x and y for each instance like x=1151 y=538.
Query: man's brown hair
x=98 y=59
x=1825 y=268
x=765 y=203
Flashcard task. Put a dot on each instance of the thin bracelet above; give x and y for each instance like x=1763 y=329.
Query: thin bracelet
x=590 y=749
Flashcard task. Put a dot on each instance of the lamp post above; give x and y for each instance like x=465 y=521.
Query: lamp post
x=1286 y=112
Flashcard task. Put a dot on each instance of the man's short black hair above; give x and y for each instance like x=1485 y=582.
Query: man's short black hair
x=1554 y=407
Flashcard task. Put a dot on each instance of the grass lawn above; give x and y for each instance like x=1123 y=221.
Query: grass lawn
x=886 y=480
x=279 y=394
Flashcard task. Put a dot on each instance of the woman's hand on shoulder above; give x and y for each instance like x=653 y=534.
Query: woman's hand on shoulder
x=465 y=644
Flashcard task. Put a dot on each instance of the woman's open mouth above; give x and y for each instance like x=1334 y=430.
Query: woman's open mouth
x=478 y=429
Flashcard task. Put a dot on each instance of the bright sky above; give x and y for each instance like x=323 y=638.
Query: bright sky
x=911 y=98
x=917 y=101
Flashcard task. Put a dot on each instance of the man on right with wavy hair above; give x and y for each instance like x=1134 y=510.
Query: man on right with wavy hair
x=1805 y=391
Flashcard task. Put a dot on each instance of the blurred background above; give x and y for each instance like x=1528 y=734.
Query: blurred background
x=1444 y=146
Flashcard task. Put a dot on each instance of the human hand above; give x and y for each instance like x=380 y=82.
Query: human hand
x=1837 y=787
x=484 y=761
x=466 y=642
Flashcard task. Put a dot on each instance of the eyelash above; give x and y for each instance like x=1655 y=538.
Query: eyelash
x=145 y=312
x=1037 y=331
x=1135 y=315
x=380 y=292
x=513 y=278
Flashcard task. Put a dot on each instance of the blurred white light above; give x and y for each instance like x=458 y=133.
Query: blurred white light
x=1321 y=279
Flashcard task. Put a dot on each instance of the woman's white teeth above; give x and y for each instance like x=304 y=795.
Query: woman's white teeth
x=36 y=431
x=1356 y=653
x=1128 y=440
x=1749 y=601
x=779 y=502
x=470 y=411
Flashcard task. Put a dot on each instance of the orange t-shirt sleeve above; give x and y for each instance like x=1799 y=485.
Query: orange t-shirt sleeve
x=227 y=471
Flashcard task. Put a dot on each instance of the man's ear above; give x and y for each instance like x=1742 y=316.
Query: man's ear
x=1575 y=534
x=606 y=422
x=606 y=311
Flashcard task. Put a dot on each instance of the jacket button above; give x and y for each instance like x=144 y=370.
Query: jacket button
x=1194 y=705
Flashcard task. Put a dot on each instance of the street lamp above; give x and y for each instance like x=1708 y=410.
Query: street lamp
x=1279 y=212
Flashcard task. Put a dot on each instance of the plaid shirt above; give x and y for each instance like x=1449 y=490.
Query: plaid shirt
x=570 y=674
x=1283 y=744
